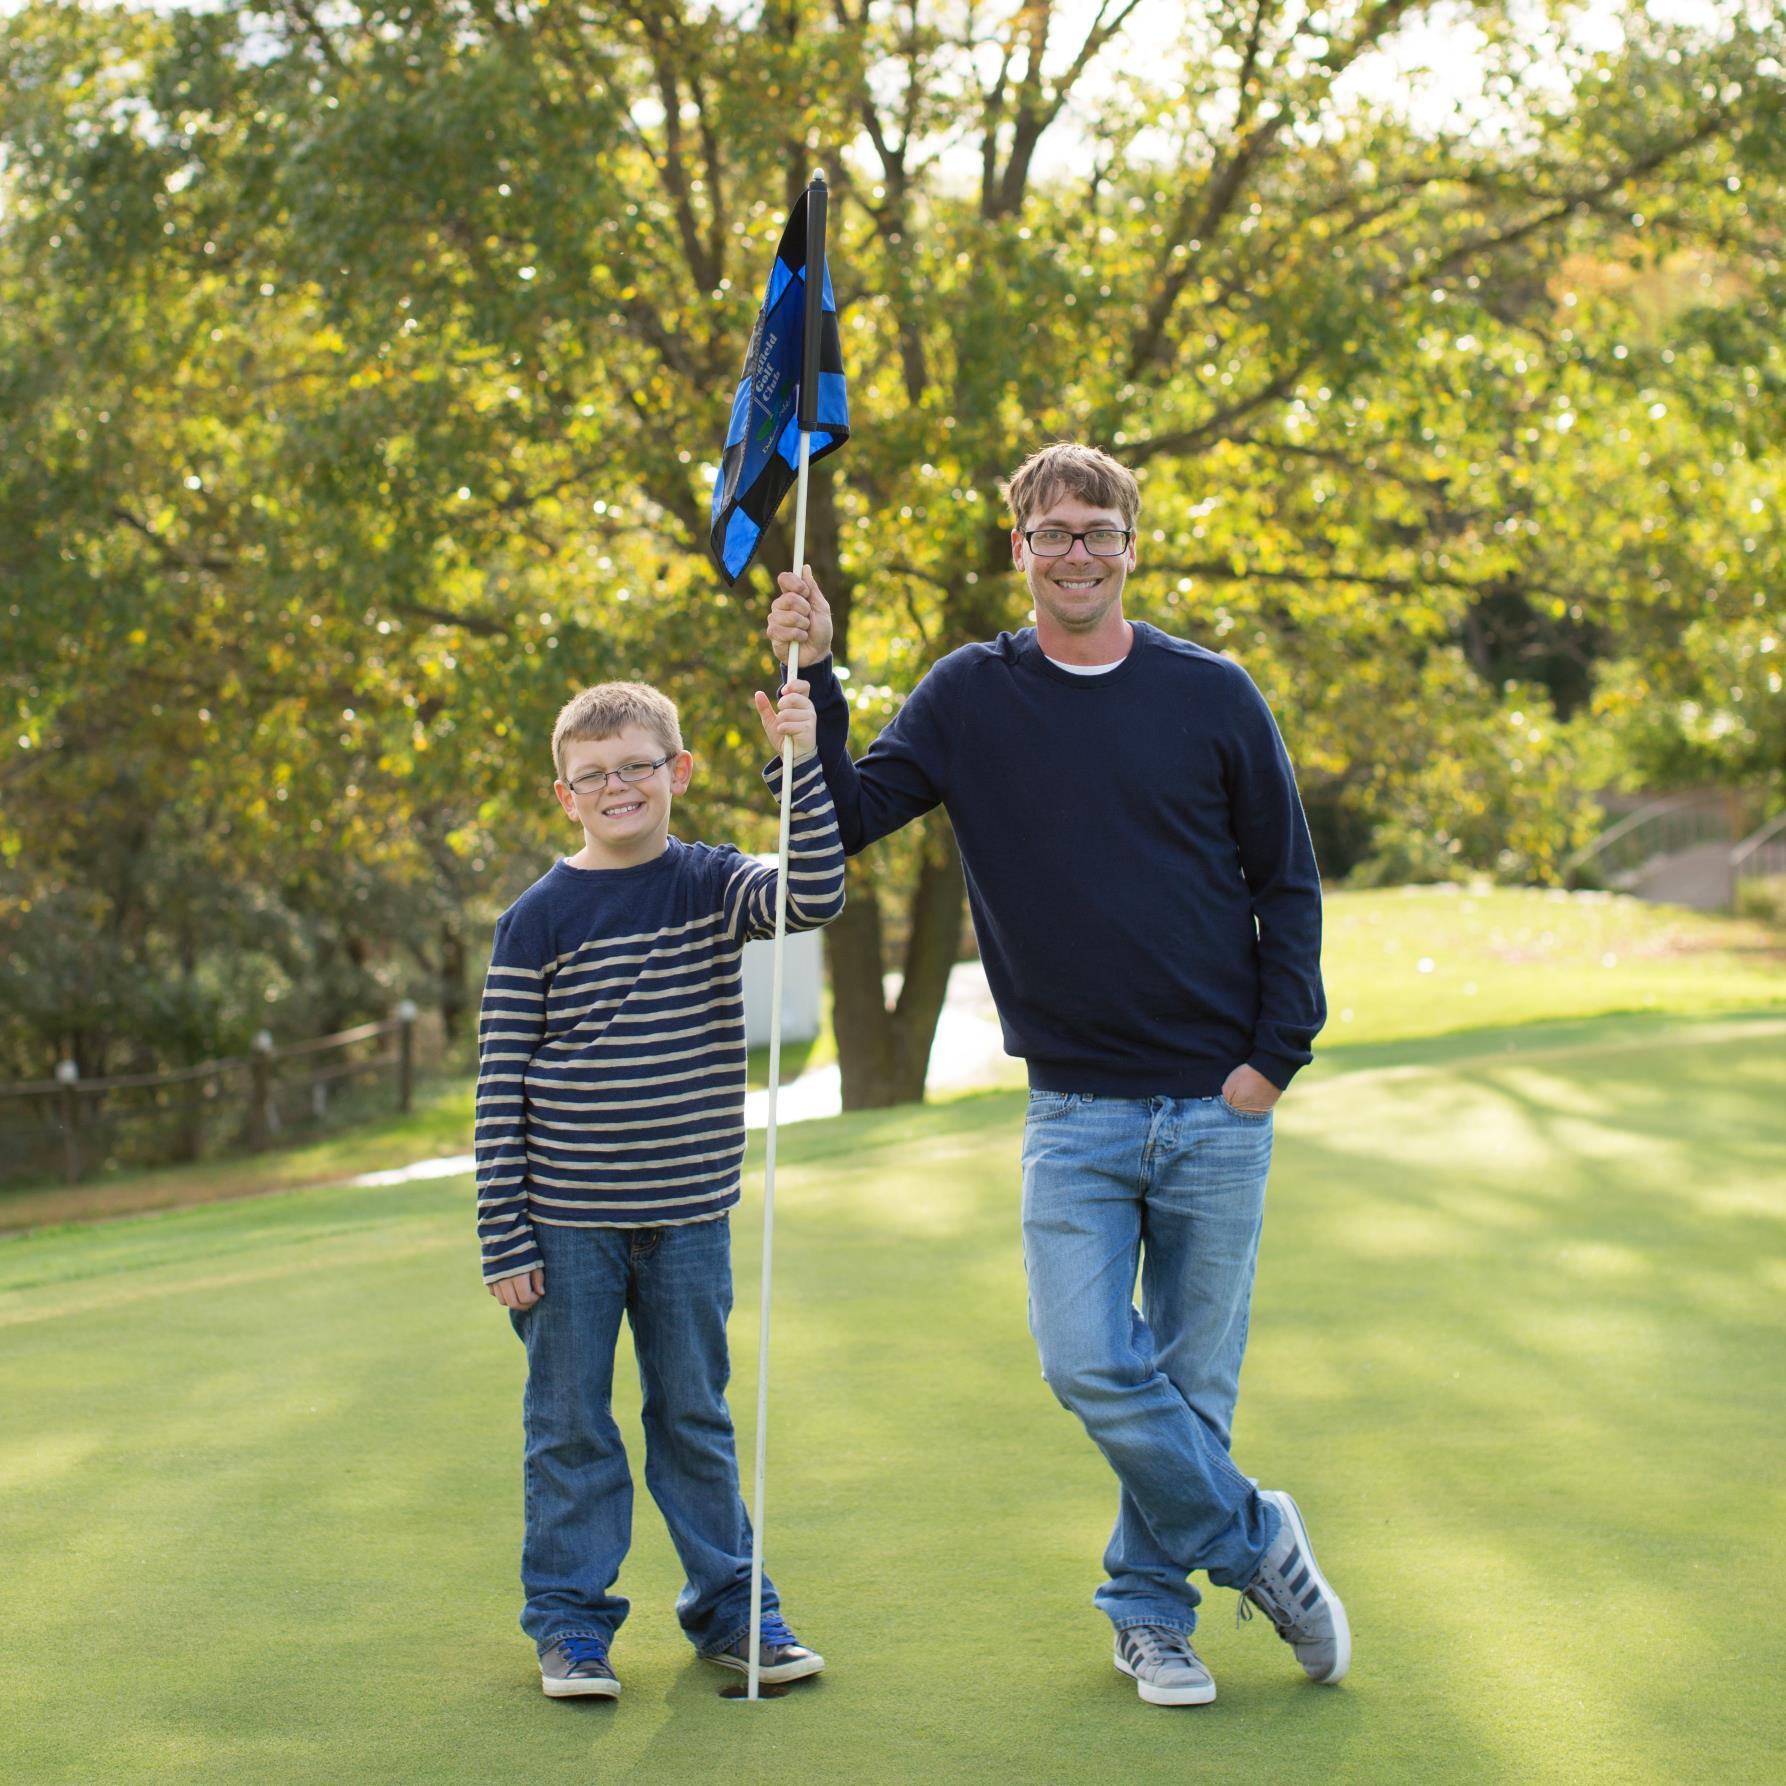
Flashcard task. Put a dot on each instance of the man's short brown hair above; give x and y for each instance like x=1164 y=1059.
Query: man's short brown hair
x=611 y=707
x=1067 y=468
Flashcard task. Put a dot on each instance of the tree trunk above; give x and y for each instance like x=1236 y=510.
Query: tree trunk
x=451 y=986
x=189 y=1140
x=931 y=947
x=341 y=998
x=859 y=1014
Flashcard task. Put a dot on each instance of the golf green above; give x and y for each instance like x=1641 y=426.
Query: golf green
x=1517 y=1348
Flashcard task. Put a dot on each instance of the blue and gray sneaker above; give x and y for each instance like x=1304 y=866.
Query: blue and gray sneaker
x=1163 y=1666
x=578 y=1666
x=1292 y=1592
x=780 y=1656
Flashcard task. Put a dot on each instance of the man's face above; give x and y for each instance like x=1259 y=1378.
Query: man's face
x=1078 y=592
x=619 y=817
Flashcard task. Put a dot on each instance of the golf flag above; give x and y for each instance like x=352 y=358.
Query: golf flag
x=762 y=454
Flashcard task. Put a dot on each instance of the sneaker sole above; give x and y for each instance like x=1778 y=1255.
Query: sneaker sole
x=591 y=1689
x=1166 y=1695
x=782 y=1671
x=1342 y=1631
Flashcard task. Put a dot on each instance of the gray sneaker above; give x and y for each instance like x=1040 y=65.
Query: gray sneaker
x=1293 y=1593
x=1163 y=1666
x=780 y=1656
x=576 y=1667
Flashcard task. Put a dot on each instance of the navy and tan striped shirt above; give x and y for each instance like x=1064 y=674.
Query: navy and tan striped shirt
x=611 y=1049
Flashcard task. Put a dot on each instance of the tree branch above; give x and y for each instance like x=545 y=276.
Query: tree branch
x=672 y=170
x=1221 y=570
x=166 y=550
x=1219 y=426
x=305 y=15
x=483 y=626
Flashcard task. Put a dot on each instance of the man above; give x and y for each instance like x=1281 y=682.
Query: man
x=1149 y=914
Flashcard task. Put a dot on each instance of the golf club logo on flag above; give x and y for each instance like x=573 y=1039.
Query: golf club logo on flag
x=792 y=384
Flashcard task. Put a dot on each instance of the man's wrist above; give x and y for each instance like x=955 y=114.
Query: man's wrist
x=1274 y=1069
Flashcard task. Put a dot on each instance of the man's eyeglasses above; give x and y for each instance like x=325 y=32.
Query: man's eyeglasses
x=1100 y=542
x=595 y=781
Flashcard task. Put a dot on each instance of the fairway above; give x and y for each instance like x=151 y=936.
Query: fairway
x=1517 y=1349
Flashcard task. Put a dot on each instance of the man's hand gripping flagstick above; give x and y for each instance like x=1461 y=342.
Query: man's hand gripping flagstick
x=795 y=339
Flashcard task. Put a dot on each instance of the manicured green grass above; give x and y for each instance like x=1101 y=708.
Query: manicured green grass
x=1517 y=1347
x=1422 y=961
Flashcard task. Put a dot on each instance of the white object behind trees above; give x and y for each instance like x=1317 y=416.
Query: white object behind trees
x=802 y=979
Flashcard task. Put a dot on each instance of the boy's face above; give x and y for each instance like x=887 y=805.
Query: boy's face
x=624 y=822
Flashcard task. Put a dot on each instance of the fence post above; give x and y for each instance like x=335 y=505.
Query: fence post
x=260 y=1089
x=68 y=1072
x=406 y=1016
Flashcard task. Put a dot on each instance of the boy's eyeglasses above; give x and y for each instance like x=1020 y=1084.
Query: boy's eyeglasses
x=1100 y=542
x=595 y=781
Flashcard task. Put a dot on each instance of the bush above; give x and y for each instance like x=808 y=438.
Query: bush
x=1763 y=898
x=1499 y=793
x=1403 y=855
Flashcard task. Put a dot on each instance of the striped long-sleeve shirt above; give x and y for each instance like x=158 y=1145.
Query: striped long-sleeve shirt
x=611 y=1048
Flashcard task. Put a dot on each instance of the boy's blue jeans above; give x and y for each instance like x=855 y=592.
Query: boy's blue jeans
x=1176 y=1188
x=675 y=1286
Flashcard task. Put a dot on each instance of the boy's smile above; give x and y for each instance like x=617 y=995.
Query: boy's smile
x=624 y=823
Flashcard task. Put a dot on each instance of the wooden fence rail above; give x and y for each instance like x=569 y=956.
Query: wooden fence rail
x=243 y=1101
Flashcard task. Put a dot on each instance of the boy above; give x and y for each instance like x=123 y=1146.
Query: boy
x=610 y=1132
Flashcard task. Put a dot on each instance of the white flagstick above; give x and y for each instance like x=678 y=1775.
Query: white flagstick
x=781 y=925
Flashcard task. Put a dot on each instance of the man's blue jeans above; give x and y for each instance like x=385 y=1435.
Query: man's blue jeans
x=1174 y=1187
x=675 y=1286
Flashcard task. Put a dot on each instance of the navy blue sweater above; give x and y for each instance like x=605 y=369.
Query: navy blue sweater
x=1137 y=862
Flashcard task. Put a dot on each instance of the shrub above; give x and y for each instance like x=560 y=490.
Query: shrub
x=1763 y=898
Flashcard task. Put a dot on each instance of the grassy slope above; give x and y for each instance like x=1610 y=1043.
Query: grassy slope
x=1421 y=961
x=1517 y=1346
x=438 y=1124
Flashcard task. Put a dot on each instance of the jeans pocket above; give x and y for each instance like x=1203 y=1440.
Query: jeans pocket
x=1045 y=1105
x=1244 y=1115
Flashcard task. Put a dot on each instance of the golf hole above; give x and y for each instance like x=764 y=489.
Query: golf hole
x=765 y=1690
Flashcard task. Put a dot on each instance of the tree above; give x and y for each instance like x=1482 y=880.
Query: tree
x=441 y=307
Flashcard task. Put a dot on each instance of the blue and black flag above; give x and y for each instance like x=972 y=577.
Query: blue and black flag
x=762 y=455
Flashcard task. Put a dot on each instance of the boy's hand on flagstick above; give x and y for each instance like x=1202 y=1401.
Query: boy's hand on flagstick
x=521 y=1291
x=800 y=616
x=795 y=718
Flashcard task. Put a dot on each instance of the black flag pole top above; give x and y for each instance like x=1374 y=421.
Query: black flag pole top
x=816 y=196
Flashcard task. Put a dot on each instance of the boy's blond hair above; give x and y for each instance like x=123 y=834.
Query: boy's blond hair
x=1087 y=472
x=611 y=707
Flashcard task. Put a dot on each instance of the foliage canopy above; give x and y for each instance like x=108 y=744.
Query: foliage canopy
x=364 y=371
